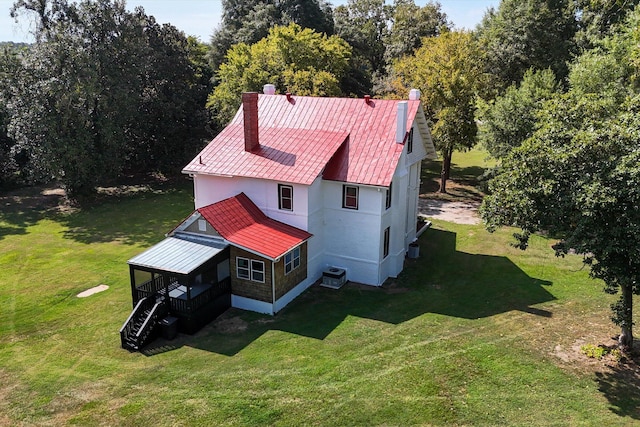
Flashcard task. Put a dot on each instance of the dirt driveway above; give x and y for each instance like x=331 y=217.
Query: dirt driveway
x=458 y=212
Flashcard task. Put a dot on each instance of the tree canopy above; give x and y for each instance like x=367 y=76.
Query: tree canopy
x=578 y=176
x=104 y=90
x=294 y=59
x=448 y=70
x=510 y=119
x=524 y=34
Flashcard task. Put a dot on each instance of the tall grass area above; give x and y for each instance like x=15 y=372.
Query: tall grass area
x=474 y=332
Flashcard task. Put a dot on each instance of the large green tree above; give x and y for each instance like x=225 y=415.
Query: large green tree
x=524 y=34
x=248 y=21
x=448 y=70
x=510 y=119
x=295 y=60
x=578 y=176
x=103 y=90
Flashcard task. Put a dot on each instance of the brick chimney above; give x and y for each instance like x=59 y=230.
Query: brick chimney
x=250 y=109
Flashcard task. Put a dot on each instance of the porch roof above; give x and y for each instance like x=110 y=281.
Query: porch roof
x=177 y=256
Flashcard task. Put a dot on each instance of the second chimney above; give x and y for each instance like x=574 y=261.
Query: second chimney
x=250 y=110
x=401 y=121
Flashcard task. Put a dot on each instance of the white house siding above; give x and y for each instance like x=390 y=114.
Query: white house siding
x=211 y=189
x=316 y=223
x=352 y=238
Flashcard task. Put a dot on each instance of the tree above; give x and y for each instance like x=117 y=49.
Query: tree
x=448 y=71
x=524 y=34
x=598 y=19
x=364 y=24
x=248 y=21
x=511 y=118
x=410 y=24
x=100 y=84
x=294 y=59
x=578 y=178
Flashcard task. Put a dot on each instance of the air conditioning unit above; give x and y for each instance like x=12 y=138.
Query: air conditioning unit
x=334 y=277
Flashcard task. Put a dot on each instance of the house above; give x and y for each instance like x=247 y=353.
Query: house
x=294 y=190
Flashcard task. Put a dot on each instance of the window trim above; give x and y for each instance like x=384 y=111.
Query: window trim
x=346 y=188
x=281 y=198
x=386 y=237
x=294 y=260
x=250 y=269
x=410 y=142
x=247 y=268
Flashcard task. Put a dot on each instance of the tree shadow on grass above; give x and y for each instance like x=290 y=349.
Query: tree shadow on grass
x=621 y=386
x=443 y=280
x=140 y=217
x=25 y=207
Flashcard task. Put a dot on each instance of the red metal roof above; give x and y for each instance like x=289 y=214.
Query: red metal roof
x=299 y=137
x=239 y=221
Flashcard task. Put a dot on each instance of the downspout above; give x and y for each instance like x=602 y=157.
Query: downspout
x=273 y=287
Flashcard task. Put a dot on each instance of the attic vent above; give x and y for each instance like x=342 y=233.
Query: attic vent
x=202 y=225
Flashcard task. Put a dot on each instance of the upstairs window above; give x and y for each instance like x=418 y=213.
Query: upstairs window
x=292 y=260
x=285 y=197
x=350 y=197
x=387 y=203
x=410 y=142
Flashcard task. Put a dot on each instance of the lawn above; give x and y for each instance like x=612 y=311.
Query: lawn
x=474 y=332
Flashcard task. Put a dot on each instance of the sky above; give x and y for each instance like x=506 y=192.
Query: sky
x=200 y=17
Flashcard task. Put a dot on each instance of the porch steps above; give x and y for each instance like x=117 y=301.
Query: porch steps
x=141 y=325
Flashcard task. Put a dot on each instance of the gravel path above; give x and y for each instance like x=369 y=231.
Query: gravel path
x=458 y=212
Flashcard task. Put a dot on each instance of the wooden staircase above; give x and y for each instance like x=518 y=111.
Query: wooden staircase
x=142 y=323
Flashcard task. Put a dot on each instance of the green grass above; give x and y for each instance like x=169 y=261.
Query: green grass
x=471 y=333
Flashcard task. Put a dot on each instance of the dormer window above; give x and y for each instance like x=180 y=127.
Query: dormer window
x=285 y=197
x=410 y=142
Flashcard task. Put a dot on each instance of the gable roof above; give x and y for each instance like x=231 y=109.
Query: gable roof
x=303 y=136
x=239 y=221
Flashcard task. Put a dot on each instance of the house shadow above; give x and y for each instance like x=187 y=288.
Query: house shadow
x=442 y=280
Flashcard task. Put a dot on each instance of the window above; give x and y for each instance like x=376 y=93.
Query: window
x=242 y=268
x=257 y=271
x=285 y=197
x=292 y=260
x=410 y=142
x=250 y=269
x=387 y=203
x=385 y=248
x=350 y=197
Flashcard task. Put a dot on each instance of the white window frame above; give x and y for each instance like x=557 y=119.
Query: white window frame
x=247 y=275
x=254 y=270
x=345 y=189
x=291 y=260
x=410 y=142
x=282 y=198
x=251 y=271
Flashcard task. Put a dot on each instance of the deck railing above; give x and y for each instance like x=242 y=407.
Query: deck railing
x=200 y=300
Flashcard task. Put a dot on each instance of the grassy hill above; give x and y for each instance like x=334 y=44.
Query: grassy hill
x=474 y=332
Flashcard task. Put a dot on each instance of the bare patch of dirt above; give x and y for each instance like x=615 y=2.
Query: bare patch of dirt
x=458 y=212
x=229 y=324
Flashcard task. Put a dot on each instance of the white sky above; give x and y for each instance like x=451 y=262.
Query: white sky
x=201 y=17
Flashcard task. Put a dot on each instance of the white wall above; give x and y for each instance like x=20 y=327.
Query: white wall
x=211 y=189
